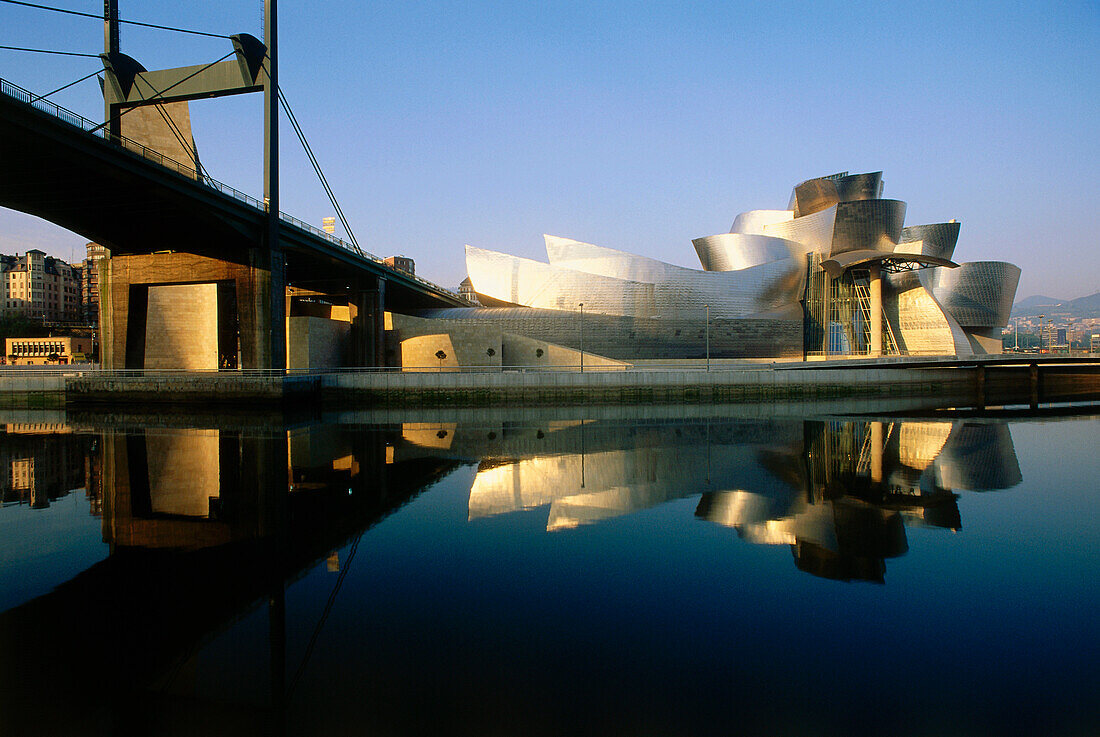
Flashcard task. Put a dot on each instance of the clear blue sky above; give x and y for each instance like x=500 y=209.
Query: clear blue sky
x=636 y=126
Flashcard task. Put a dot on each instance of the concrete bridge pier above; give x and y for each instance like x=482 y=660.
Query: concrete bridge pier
x=367 y=308
x=186 y=311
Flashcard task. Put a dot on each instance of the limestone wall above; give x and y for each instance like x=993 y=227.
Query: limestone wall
x=530 y=353
x=181 y=327
x=316 y=342
x=461 y=346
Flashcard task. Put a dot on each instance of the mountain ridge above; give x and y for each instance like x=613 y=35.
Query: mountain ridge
x=1088 y=306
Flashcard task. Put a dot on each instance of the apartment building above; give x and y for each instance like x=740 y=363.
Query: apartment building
x=40 y=286
x=89 y=301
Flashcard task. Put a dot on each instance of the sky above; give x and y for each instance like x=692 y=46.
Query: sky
x=636 y=126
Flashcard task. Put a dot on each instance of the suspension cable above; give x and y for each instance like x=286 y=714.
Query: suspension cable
x=317 y=168
x=188 y=147
x=36 y=98
x=129 y=22
x=324 y=617
x=47 y=51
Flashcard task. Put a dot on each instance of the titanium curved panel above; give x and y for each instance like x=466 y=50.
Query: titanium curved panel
x=867 y=225
x=919 y=323
x=815 y=195
x=936 y=239
x=533 y=284
x=977 y=293
x=770 y=287
x=735 y=251
x=860 y=187
x=811 y=232
x=753 y=221
x=580 y=256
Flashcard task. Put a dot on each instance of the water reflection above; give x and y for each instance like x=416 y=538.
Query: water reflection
x=207 y=524
x=38 y=466
x=838 y=492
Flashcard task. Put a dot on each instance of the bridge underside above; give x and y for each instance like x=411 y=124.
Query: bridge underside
x=189 y=276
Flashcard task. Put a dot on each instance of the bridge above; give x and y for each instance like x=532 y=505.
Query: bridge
x=194 y=275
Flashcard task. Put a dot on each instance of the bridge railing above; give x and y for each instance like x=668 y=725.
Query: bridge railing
x=97 y=129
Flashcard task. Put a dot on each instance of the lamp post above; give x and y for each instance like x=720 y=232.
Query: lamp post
x=582 y=336
x=708 y=340
x=1016 y=336
x=1041 y=333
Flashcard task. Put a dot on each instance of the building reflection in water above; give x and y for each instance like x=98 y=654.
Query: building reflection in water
x=43 y=462
x=839 y=493
x=203 y=525
x=207 y=524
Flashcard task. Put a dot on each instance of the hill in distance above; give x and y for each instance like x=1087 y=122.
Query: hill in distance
x=1081 y=307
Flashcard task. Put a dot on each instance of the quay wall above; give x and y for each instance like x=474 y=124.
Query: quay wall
x=965 y=385
x=615 y=387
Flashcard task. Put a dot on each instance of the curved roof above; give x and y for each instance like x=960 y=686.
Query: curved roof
x=753 y=221
x=935 y=239
x=815 y=195
x=977 y=294
x=735 y=251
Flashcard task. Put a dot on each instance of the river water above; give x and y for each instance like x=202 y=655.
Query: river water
x=575 y=571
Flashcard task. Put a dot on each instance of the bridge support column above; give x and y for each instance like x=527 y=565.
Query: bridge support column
x=367 y=308
x=186 y=311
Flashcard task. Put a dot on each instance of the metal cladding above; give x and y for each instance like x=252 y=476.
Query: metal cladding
x=767 y=287
x=753 y=221
x=816 y=261
x=867 y=225
x=815 y=195
x=978 y=294
x=937 y=239
x=735 y=251
x=530 y=283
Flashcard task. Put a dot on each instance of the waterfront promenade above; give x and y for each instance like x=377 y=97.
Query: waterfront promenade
x=973 y=381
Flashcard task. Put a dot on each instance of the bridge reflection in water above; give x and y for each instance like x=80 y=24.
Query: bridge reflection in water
x=208 y=525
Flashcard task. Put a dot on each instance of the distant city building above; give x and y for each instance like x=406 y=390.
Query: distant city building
x=328 y=225
x=466 y=291
x=35 y=351
x=1094 y=344
x=401 y=263
x=41 y=287
x=89 y=297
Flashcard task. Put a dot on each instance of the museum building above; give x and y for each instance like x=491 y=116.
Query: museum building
x=836 y=273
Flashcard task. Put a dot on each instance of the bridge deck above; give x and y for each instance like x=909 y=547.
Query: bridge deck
x=59 y=166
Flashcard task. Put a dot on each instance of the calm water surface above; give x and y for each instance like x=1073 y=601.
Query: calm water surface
x=482 y=573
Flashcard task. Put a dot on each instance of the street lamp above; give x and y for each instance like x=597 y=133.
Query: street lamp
x=708 y=338
x=582 y=336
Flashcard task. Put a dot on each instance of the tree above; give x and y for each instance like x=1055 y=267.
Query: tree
x=442 y=356
x=21 y=326
x=53 y=358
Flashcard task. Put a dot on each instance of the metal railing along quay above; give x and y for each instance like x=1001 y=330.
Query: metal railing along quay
x=97 y=130
x=682 y=366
